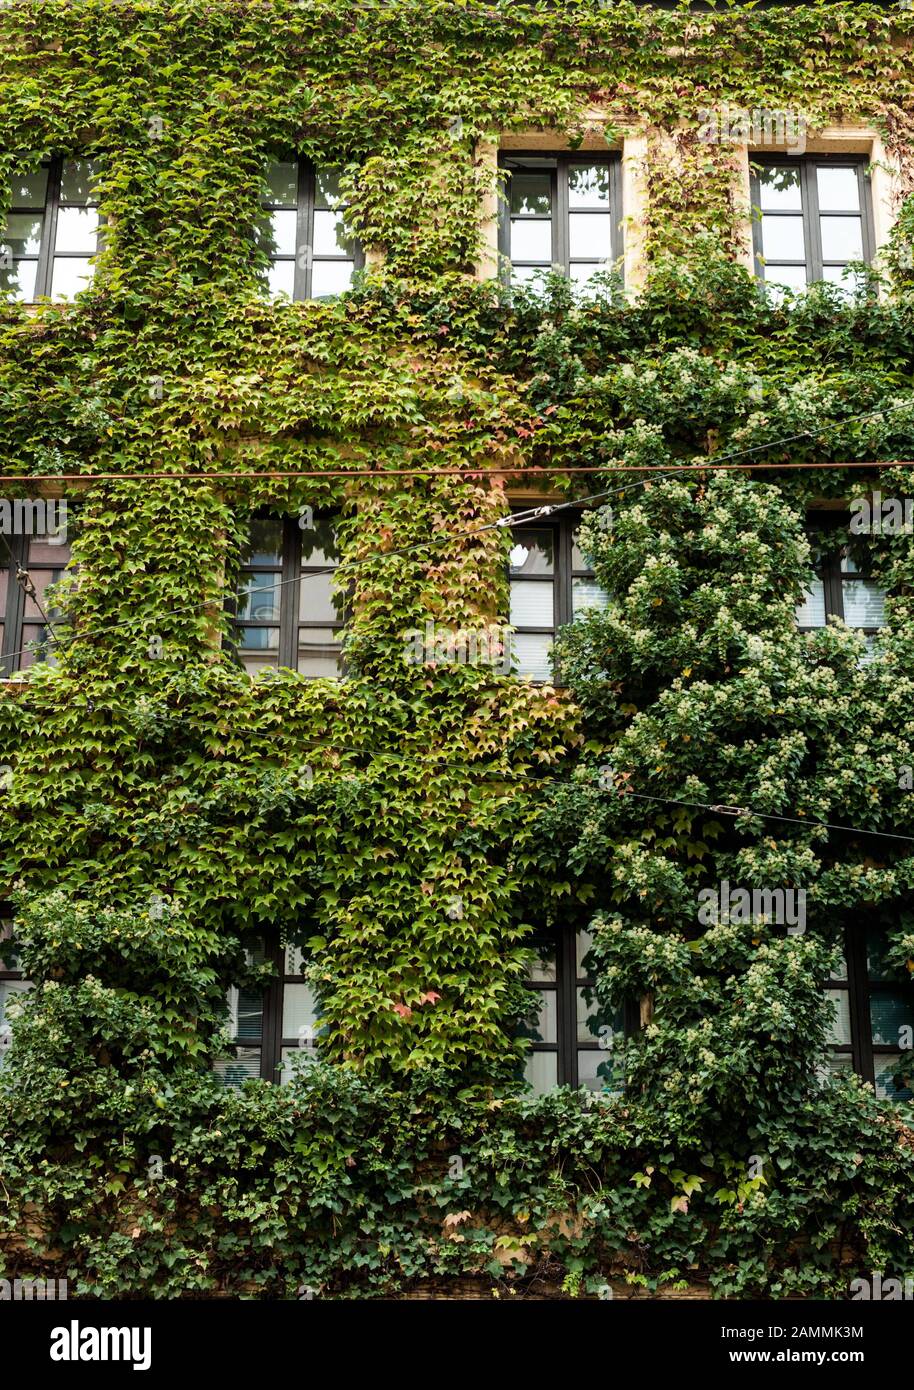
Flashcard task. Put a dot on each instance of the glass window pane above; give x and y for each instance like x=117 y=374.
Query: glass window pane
x=586 y=594
x=22 y=236
x=811 y=612
x=264 y=543
x=891 y=1011
x=280 y=240
x=45 y=550
x=318 y=661
x=42 y=579
x=790 y=277
x=582 y=944
x=77 y=230
x=588 y=186
x=259 y=598
x=864 y=603
x=533 y=552
x=528 y=275
x=842 y=238
x=4 y=576
x=779 y=188
x=253 y=664
x=282 y=183
x=319 y=545
x=37 y=645
x=531 y=193
x=840 y=1027
x=234 y=1071
x=532 y=603
x=877 y=942
x=316 y=601
x=531 y=656
x=540 y=1023
x=782 y=239
x=247 y=1011
x=594 y=1022
x=293 y=1059
x=895 y=1076
x=598 y=1071
x=77 y=180
x=70 y=275
x=329 y=235
x=19 y=283
x=581 y=273
x=849 y=281
x=531 y=240
x=259 y=639
x=543 y=967
x=281 y=278
x=295 y=960
x=326 y=188
x=298 y=1011
x=840 y=969
x=330 y=277
x=541 y=1072
x=8 y=990
x=29 y=190
x=838 y=189
x=837 y=1062
x=589 y=235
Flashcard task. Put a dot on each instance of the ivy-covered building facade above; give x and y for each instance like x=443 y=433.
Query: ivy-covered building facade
x=456 y=722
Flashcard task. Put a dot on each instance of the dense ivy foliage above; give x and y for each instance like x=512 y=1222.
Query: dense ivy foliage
x=349 y=817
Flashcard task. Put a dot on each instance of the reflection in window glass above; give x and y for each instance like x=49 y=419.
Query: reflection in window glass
x=303 y=232
x=52 y=231
x=289 y=612
x=811 y=219
x=560 y=212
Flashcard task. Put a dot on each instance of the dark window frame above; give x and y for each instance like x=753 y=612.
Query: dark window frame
x=270 y=1042
x=48 y=253
x=556 y=163
x=818 y=525
x=305 y=207
x=7 y=974
x=809 y=202
x=860 y=988
x=290 y=573
x=14 y=617
x=561 y=943
x=563 y=525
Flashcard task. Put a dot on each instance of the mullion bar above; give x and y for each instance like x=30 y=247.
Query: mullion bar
x=809 y=192
x=858 y=1002
x=49 y=238
x=289 y=595
x=301 y=284
x=568 y=1013
x=560 y=228
x=15 y=604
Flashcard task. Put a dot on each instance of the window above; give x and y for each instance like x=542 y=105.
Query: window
x=304 y=233
x=873 y=1023
x=24 y=637
x=287 y=613
x=550 y=584
x=52 y=230
x=842 y=587
x=811 y=217
x=572 y=1037
x=269 y=1028
x=561 y=211
x=12 y=981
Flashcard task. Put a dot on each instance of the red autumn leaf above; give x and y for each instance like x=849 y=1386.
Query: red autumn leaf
x=403 y=1010
x=430 y=997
